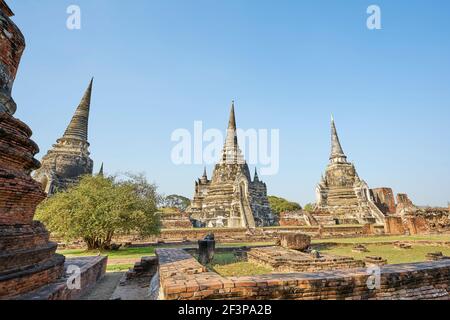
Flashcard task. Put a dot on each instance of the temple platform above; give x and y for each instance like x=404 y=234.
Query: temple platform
x=92 y=269
x=287 y=260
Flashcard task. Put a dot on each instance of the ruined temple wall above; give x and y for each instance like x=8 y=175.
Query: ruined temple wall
x=292 y=218
x=404 y=204
x=267 y=234
x=176 y=221
x=384 y=200
x=394 y=225
x=259 y=203
x=420 y=222
x=183 y=278
x=434 y=221
x=63 y=169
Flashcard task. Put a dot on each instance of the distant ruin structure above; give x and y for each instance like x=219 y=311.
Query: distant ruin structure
x=231 y=198
x=69 y=159
x=384 y=199
x=341 y=194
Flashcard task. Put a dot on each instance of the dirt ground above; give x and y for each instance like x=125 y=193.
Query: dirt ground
x=105 y=288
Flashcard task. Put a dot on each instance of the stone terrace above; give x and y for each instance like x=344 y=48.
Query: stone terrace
x=92 y=269
x=183 y=278
x=286 y=260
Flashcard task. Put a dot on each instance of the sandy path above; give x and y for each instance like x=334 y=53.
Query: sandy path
x=104 y=288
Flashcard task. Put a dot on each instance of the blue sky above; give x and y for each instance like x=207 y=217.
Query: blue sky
x=161 y=65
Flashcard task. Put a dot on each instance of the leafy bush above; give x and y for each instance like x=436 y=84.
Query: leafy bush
x=97 y=208
x=309 y=207
x=176 y=201
x=279 y=205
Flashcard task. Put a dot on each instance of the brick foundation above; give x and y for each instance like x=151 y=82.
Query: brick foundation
x=260 y=234
x=41 y=274
x=92 y=270
x=27 y=258
x=394 y=225
x=285 y=260
x=183 y=278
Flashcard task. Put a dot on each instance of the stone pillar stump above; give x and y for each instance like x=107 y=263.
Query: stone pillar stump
x=294 y=240
x=206 y=249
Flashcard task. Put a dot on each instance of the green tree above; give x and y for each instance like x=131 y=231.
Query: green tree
x=309 y=207
x=279 y=205
x=99 y=207
x=176 y=201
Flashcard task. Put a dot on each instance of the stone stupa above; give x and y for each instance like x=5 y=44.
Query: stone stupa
x=342 y=197
x=69 y=159
x=29 y=266
x=231 y=198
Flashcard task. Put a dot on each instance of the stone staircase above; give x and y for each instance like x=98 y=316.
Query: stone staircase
x=376 y=212
x=342 y=197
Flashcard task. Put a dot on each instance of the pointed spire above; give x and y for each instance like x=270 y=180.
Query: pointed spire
x=78 y=126
x=256 y=178
x=100 y=173
x=232 y=121
x=205 y=175
x=231 y=151
x=336 y=148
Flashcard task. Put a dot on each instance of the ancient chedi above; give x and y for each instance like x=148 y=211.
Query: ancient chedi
x=68 y=160
x=27 y=258
x=231 y=199
x=342 y=197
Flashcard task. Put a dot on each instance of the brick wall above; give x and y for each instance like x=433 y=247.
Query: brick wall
x=92 y=269
x=241 y=234
x=394 y=225
x=384 y=199
x=183 y=278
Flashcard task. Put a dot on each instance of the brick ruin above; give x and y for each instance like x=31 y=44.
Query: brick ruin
x=295 y=218
x=384 y=199
x=182 y=277
x=403 y=217
x=27 y=259
x=173 y=218
x=285 y=260
x=341 y=193
x=293 y=254
x=404 y=204
x=231 y=198
x=343 y=198
x=68 y=160
x=29 y=266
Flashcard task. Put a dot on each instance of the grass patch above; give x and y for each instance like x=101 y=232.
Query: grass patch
x=388 y=251
x=121 y=253
x=119 y=267
x=240 y=269
x=227 y=265
x=118 y=261
x=124 y=258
